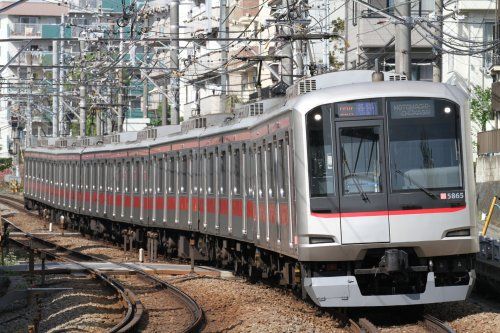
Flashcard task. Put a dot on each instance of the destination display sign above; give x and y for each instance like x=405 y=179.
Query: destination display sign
x=417 y=108
x=358 y=109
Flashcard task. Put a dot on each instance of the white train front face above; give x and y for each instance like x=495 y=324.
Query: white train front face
x=385 y=194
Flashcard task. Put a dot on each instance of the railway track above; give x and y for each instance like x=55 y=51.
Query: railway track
x=135 y=308
x=428 y=322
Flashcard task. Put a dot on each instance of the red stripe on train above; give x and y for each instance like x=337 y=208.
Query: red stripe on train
x=391 y=212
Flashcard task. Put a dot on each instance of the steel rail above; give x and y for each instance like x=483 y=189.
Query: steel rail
x=363 y=325
x=434 y=325
x=194 y=308
x=134 y=307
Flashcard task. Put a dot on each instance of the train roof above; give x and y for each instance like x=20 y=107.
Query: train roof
x=303 y=96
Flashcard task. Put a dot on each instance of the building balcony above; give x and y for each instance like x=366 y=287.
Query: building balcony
x=38 y=58
x=477 y=5
x=31 y=30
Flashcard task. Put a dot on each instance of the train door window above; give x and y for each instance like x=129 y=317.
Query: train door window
x=223 y=172
x=184 y=174
x=109 y=176
x=250 y=172
x=282 y=168
x=194 y=173
x=171 y=174
x=136 y=176
x=119 y=177
x=260 y=175
x=126 y=177
x=236 y=172
x=270 y=168
x=159 y=177
x=210 y=173
x=102 y=177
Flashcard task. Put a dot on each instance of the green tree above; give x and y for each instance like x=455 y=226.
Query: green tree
x=480 y=107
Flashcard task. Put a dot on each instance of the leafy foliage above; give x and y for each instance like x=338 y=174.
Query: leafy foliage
x=5 y=163
x=481 y=111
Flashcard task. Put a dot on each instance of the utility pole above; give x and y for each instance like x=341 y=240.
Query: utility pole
x=64 y=128
x=55 y=84
x=174 y=61
x=437 y=63
x=29 y=63
x=346 y=35
x=83 y=96
x=402 y=8
x=287 y=62
x=144 y=101
x=121 y=100
x=224 y=34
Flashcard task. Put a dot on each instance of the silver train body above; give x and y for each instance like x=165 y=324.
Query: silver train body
x=359 y=192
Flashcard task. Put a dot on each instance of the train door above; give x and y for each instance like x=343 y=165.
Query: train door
x=193 y=190
x=237 y=191
x=184 y=196
x=362 y=183
x=249 y=174
x=126 y=203
x=260 y=189
x=211 y=202
x=222 y=211
x=204 y=183
x=172 y=188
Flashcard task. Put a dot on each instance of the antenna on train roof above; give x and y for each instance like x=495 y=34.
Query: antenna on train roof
x=377 y=76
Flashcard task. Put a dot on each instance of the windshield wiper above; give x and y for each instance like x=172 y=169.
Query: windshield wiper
x=420 y=187
x=363 y=194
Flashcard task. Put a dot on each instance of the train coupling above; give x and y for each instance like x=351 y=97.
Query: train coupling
x=392 y=261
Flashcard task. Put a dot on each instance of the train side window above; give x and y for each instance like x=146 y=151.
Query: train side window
x=236 y=172
x=183 y=173
x=210 y=173
x=282 y=168
x=171 y=174
x=223 y=172
x=126 y=177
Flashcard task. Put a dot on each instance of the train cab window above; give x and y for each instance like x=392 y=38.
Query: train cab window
x=223 y=172
x=236 y=172
x=184 y=174
x=136 y=177
x=211 y=174
x=320 y=156
x=427 y=132
x=171 y=174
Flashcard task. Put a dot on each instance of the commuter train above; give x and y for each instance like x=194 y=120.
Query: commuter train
x=354 y=191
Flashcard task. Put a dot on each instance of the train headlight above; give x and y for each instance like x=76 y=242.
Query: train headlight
x=317 y=117
x=458 y=233
x=447 y=110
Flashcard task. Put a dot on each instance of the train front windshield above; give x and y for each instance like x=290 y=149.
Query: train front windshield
x=383 y=146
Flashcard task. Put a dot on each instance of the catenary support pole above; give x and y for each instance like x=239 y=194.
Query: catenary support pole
x=63 y=124
x=223 y=34
x=121 y=100
x=55 y=83
x=402 y=8
x=437 y=63
x=174 y=61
